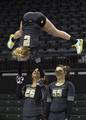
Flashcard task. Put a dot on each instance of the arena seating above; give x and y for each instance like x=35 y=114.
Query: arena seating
x=69 y=16
x=79 y=108
x=11 y=107
x=63 y=15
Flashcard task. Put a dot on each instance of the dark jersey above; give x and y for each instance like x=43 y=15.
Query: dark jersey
x=31 y=108
x=32 y=24
x=60 y=95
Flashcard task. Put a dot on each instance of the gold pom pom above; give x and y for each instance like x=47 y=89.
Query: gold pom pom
x=21 y=53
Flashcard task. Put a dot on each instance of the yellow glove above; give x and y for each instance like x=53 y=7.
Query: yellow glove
x=10 y=43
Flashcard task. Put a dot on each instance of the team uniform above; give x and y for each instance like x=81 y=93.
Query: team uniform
x=62 y=98
x=33 y=99
x=32 y=23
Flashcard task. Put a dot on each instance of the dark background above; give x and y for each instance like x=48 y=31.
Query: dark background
x=69 y=16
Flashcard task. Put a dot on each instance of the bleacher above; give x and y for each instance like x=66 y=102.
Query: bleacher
x=69 y=16
x=11 y=107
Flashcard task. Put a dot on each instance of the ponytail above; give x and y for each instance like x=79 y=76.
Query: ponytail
x=67 y=72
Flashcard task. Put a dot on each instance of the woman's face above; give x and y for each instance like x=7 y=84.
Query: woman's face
x=60 y=73
x=36 y=74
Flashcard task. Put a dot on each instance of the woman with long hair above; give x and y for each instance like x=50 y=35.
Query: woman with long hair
x=62 y=94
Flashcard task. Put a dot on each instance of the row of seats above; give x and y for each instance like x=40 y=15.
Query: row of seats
x=10 y=103
x=10 y=116
x=63 y=15
x=48 y=62
x=11 y=108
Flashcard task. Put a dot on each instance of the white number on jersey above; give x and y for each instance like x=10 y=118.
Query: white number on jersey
x=57 y=93
x=30 y=93
x=26 y=41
